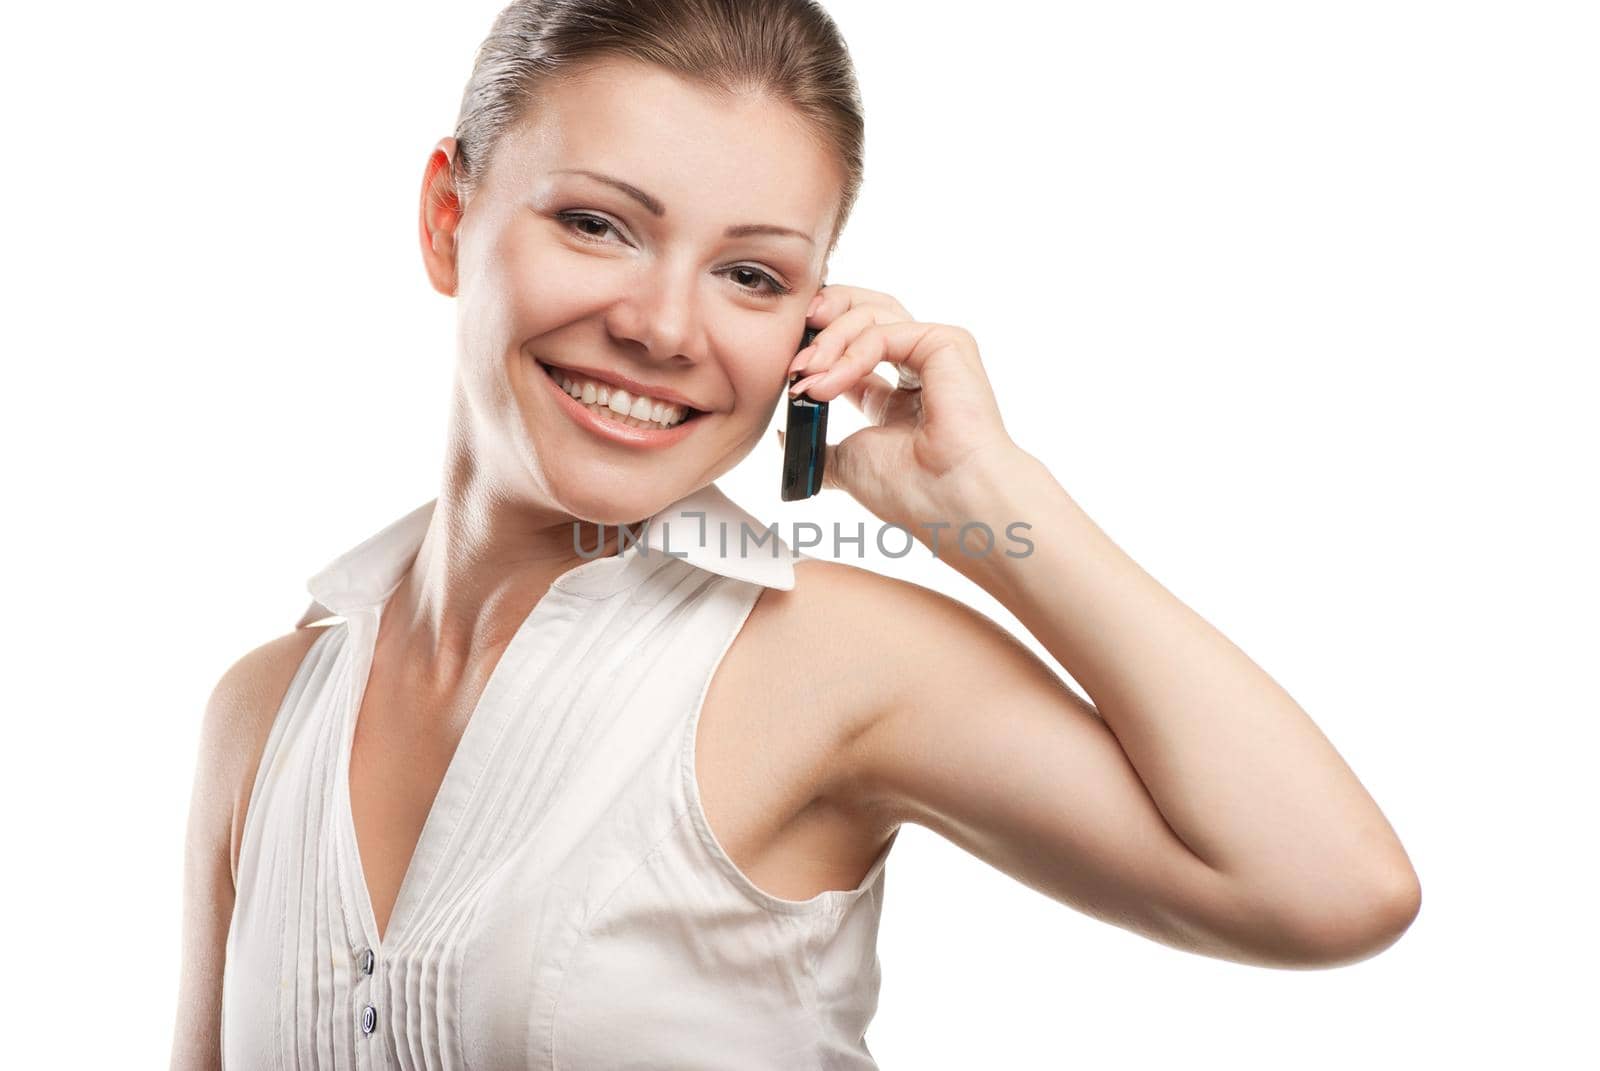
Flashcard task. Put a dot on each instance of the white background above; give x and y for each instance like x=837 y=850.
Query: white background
x=1298 y=301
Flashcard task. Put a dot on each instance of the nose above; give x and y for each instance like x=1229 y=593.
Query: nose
x=659 y=311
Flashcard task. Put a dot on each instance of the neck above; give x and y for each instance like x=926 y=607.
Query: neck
x=487 y=557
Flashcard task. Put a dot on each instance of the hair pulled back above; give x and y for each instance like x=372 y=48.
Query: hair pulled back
x=787 y=50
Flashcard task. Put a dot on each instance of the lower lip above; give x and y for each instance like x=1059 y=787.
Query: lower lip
x=613 y=431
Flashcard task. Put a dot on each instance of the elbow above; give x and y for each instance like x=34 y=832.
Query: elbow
x=1361 y=926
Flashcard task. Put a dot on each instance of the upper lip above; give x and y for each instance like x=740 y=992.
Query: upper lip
x=632 y=386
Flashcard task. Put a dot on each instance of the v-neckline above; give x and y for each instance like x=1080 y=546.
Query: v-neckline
x=469 y=749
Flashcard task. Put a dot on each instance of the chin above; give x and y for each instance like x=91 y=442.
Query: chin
x=610 y=499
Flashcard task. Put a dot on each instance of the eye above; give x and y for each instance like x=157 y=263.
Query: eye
x=764 y=285
x=575 y=219
x=774 y=289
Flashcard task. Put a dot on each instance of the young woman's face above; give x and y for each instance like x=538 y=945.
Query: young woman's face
x=666 y=286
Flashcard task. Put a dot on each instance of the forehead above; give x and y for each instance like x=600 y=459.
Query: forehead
x=710 y=159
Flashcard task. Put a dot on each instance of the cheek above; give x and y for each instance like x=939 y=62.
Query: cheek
x=754 y=379
x=757 y=353
x=526 y=286
x=758 y=373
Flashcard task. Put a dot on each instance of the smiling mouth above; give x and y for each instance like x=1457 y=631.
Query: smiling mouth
x=614 y=403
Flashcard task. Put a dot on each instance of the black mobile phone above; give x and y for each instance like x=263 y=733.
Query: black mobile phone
x=804 y=437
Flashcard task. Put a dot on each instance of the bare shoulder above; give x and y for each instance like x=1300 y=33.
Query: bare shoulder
x=893 y=662
x=239 y=717
x=872 y=627
x=841 y=645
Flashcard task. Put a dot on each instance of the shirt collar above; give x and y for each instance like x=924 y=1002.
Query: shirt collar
x=704 y=528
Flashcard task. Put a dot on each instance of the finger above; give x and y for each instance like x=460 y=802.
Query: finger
x=831 y=472
x=830 y=463
x=907 y=344
x=834 y=303
x=872 y=394
x=831 y=340
x=836 y=299
x=838 y=466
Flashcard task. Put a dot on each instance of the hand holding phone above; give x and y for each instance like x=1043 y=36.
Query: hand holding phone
x=804 y=437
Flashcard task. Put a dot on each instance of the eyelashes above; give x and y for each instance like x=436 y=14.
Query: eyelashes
x=574 y=220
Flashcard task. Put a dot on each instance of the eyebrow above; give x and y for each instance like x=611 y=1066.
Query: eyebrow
x=656 y=208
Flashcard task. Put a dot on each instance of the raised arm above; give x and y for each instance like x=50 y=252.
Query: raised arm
x=1193 y=802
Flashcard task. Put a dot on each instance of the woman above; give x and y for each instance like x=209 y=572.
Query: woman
x=522 y=804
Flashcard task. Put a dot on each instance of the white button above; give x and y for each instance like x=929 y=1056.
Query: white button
x=369 y=1019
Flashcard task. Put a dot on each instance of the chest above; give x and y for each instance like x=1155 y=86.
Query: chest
x=764 y=744
x=622 y=847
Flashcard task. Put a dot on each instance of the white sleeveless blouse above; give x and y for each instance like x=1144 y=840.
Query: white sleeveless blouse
x=567 y=906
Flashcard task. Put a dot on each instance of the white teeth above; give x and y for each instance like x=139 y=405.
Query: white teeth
x=634 y=410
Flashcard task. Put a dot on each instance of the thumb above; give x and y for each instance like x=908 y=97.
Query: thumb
x=832 y=466
x=830 y=462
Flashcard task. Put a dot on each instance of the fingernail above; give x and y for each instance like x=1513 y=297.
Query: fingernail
x=811 y=310
x=802 y=358
x=800 y=386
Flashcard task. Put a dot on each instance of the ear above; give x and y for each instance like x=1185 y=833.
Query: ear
x=440 y=217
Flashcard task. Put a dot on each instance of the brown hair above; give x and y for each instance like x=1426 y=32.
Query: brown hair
x=789 y=50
